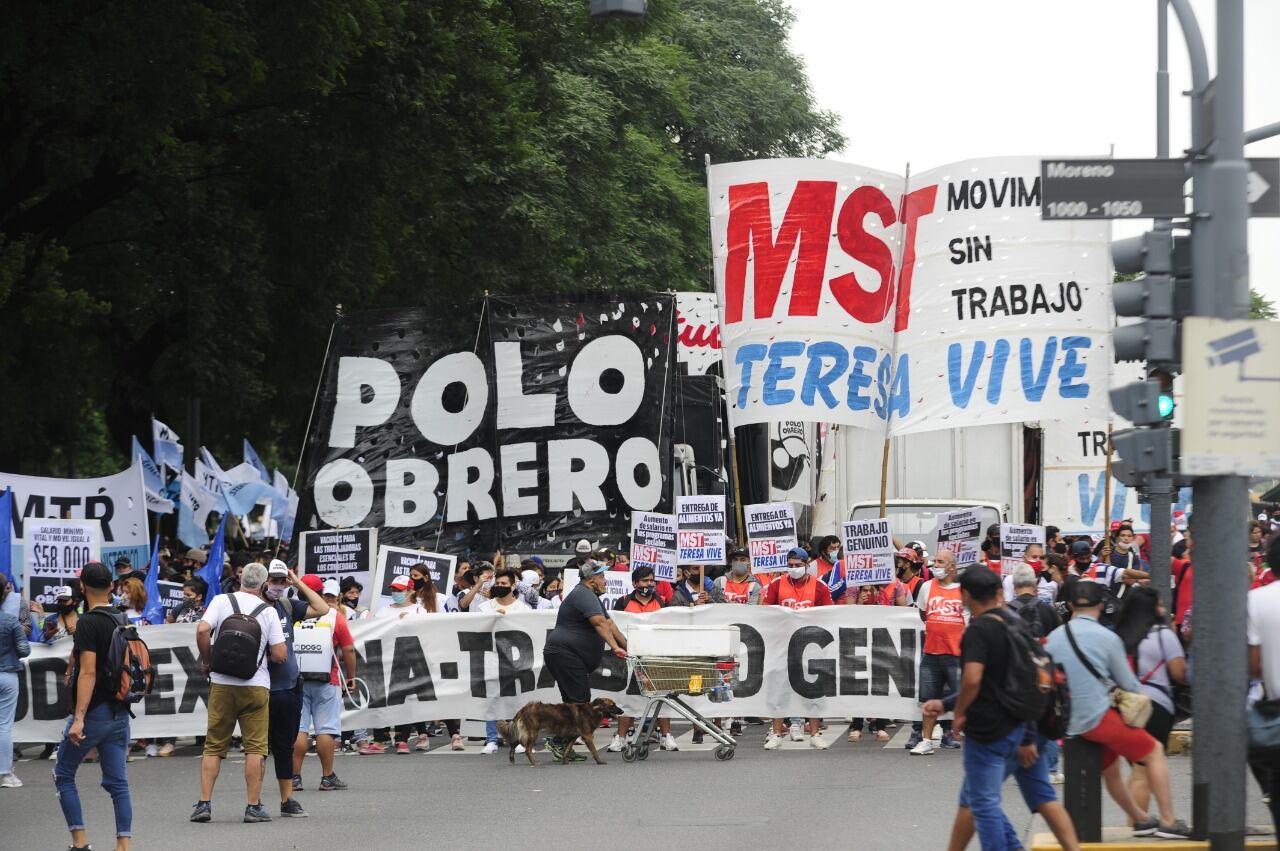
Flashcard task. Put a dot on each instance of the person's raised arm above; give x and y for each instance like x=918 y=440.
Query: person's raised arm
x=316 y=606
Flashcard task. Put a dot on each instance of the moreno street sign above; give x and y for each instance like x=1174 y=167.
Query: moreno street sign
x=1113 y=189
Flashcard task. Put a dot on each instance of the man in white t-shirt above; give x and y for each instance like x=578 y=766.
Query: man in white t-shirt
x=1264 y=664
x=502 y=600
x=233 y=700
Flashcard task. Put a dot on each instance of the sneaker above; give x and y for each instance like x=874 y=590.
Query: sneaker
x=1057 y=778
x=203 y=812
x=10 y=781
x=256 y=814
x=773 y=742
x=1146 y=827
x=1177 y=830
x=372 y=749
x=288 y=809
x=456 y=743
x=297 y=782
x=817 y=742
x=615 y=745
x=436 y=729
x=402 y=747
x=669 y=743
x=152 y=750
x=422 y=743
x=489 y=748
x=697 y=737
x=735 y=728
x=855 y=736
x=913 y=740
x=883 y=736
x=797 y=733
x=332 y=783
x=166 y=749
x=556 y=751
x=950 y=741
x=924 y=748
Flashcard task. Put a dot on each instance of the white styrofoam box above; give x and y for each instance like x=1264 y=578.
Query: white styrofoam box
x=662 y=640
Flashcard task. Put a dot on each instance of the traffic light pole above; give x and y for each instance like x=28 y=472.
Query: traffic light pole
x=1220 y=258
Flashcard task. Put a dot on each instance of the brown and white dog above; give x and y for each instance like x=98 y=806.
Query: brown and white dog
x=568 y=720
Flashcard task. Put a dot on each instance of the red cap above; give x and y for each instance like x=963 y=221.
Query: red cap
x=1116 y=524
x=909 y=554
x=400 y=583
x=312 y=581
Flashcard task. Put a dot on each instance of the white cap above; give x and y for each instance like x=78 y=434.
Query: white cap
x=277 y=568
x=330 y=588
x=531 y=578
x=583 y=547
x=62 y=591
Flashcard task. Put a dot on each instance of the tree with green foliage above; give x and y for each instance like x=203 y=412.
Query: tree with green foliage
x=187 y=189
x=1261 y=307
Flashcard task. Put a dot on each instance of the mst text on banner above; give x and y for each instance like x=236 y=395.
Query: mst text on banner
x=823 y=662
x=856 y=297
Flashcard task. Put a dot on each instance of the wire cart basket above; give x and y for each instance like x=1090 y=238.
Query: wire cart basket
x=663 y=679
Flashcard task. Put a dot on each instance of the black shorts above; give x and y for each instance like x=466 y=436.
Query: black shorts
x=1160 y=725
x=571 y=673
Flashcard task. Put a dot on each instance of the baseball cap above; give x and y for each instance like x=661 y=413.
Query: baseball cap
x=1087 y=593
x=537 y=560
x=277 y=569
x=909 y=554
x=198 y=556
x=591 y=568
x=531 y=578
x=123 y=560
x=315 y=583
x=739 y=552
x=96 y=575
x=1080 y=547
x=401 y=583
x=583 y=547
x=62 y=591
x=330 y=588
x=798 y=552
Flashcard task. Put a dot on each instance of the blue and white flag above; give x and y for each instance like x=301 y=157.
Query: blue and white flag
x=285 y=508
x=194 y=504
x=251 y=457
x=166 y=445
x=152 y=480
x=154 y=612
x=212 y=571
x=241 y=497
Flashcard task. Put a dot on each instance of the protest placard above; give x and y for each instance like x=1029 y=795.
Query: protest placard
x=617 y=584
x=55 y=551
x=170 y=595
x=771 y=533
x=339 y=553
x=1014 y=538
x=653 y=543
x=959 y=533
x=396 y=561
x=868 y=552
x=700 y=528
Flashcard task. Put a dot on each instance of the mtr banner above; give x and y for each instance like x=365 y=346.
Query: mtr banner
x=900 y=305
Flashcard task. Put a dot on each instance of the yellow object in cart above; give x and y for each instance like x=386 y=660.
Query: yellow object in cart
x=695 y=683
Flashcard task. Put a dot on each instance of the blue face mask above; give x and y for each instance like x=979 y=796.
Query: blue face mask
x=116 y=599
x=399 y=597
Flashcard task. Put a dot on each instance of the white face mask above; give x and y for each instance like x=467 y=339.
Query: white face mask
x=797 y=572
x=938 y=572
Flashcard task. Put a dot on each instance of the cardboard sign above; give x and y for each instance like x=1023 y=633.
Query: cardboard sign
x=617 y=585
x=1014 y=538
x=396 y=561
x=55 y=552
x=960 y=532
x=771 y=533
x=339 y=553
x=170 y=595
x=653 y=543
x=700 y=528
x=868 y=552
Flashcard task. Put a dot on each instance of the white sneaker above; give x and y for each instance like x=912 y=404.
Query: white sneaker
x=797 y=733
x=925 y=748
x=152 y=750
x=9 y=781
x=489 y=747
x=1057 y=778
x=817 y=742
x=519 y=748
x=669 y=743
x=615 y=745
x=773 y=742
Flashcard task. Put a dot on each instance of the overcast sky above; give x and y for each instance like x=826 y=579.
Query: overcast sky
x=931 y=82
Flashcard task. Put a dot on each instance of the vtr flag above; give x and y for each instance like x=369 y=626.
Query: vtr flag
x=852 y=296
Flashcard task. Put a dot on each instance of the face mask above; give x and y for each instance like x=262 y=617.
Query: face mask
x=66 y=608
x=739 y=568
x=1035 y=565
x=116 y=599
x=500 y=591
x=644 y=592
x=798 y=572
x=274 y=592
x=1122 y=546
x=833 y=555
x=419 y=584
x=399 y=597
x=938 y=572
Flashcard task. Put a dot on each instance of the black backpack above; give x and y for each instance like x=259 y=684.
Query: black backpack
x=236 y=650
x=1034 y=689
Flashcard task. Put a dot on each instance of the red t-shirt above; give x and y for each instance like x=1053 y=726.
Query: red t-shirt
x=1183 y=579
x=665 y=591
x=341 y=638
x=784 y=592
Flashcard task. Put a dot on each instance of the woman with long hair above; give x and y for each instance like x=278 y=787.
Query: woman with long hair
x=135 y=600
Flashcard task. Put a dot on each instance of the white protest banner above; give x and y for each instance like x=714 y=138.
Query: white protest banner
x=396 y=561
x=1014 y=538
x=170 y=595
x=617 y=584
x=117 y=502
x=653 y=543
x=959 y=533
x=56 y=550
x=697 y=332
x=851 y=296
x=339 y=553
x=700 y=528
x=868 y=552
x=771 y=534
x=824 y=662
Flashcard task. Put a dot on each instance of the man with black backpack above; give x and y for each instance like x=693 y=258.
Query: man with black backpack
x=99 y=718
x=235 y=637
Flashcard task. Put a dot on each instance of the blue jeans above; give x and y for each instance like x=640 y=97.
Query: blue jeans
x=491 y=731
x=8 y=706
x=939 y=676
x=108 y=731
x=1052 y=753
x=986 y=765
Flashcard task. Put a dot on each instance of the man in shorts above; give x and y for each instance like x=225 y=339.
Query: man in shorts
x=322 y=699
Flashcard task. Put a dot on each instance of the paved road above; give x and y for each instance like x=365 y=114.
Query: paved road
x=864 y=796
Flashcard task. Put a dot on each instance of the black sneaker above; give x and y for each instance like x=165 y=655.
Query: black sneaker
x=913 y=740
x=735 y=729
x=1177 y=830
x=297 y=782
x=573 y=756
x=332 y=783
x=1146 y=827
x=255 y=813
x=288 y=809
x=203 y=812
x=697 y=737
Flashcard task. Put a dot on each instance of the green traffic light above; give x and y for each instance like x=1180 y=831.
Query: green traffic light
x=1165 y=405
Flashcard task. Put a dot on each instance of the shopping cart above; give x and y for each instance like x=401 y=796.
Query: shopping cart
x=663 y=679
